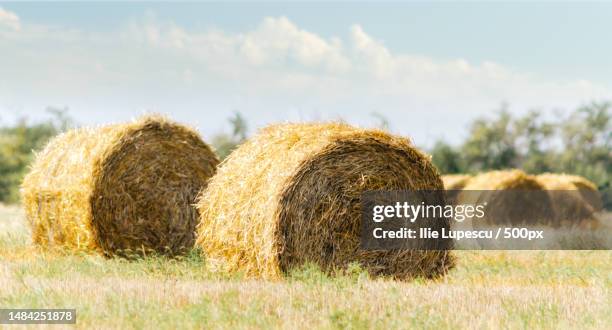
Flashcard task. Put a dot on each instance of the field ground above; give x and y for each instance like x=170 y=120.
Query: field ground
x=488 y=289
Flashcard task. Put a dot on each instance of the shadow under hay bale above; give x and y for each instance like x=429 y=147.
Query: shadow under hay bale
x=291 y=196
x=120 y=189
x=573 y=199
x=512 y=197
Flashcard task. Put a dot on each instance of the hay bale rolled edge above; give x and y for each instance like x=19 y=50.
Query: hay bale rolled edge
x=587 y=188
x=119 y=189
x=567 y=194
x=291 y=195
x=455 y=181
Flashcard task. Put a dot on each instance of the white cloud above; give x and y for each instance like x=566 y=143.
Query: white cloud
x=275 y=71
x=375 y=56
x=275 y=42
x=279 y=51
x=278 y=40
x=9 y=20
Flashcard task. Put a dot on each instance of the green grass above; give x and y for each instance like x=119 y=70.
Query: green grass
x=488 y=289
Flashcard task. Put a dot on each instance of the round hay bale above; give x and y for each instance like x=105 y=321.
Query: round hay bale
x=503 y=191
x=587 y=189
x=455 y=181
x=291 y=195
x=119 y=189
x=571 y=207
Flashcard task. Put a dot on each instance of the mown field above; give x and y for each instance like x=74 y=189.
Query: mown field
x=488 y=289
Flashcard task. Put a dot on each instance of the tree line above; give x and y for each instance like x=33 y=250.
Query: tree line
x=579 y=142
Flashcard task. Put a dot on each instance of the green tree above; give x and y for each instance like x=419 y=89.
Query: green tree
x=491 y=144
x=225 y=143
x=586 y=135
x=447 y=159
x=17 y=143
x=532 y=138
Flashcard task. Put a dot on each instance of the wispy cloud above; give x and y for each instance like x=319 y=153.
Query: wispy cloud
x=9 y=20
x=278 y=45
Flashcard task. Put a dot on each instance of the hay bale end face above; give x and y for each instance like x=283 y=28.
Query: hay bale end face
x=506 y=202
x=119 y=189
x=291 y=195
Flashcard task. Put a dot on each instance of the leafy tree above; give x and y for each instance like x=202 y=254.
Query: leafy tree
x=446 y=158
x=16 y=145
x=531 y=136
x=586 y=135
x=225 y=143
x=587 y=139
x=491 y=144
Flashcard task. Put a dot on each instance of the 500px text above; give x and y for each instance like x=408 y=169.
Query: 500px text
x=504 y=233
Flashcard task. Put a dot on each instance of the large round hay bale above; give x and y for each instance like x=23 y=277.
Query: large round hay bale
x=119 y=189
x=291 y=195
x=455 y=181
x=587 y=189
x=512 y=197
x=567 y=193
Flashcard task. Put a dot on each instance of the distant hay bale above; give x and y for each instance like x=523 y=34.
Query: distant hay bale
x=587 y=189
x=291 y=195
x=502 y=180
x=119 y=189
x=506 y=202
x=572 y=199
x=455 y=181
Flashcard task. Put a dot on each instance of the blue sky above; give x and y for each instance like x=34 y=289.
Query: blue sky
x=429 y=67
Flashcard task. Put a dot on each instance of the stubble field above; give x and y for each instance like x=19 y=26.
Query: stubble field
x=488 y=289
